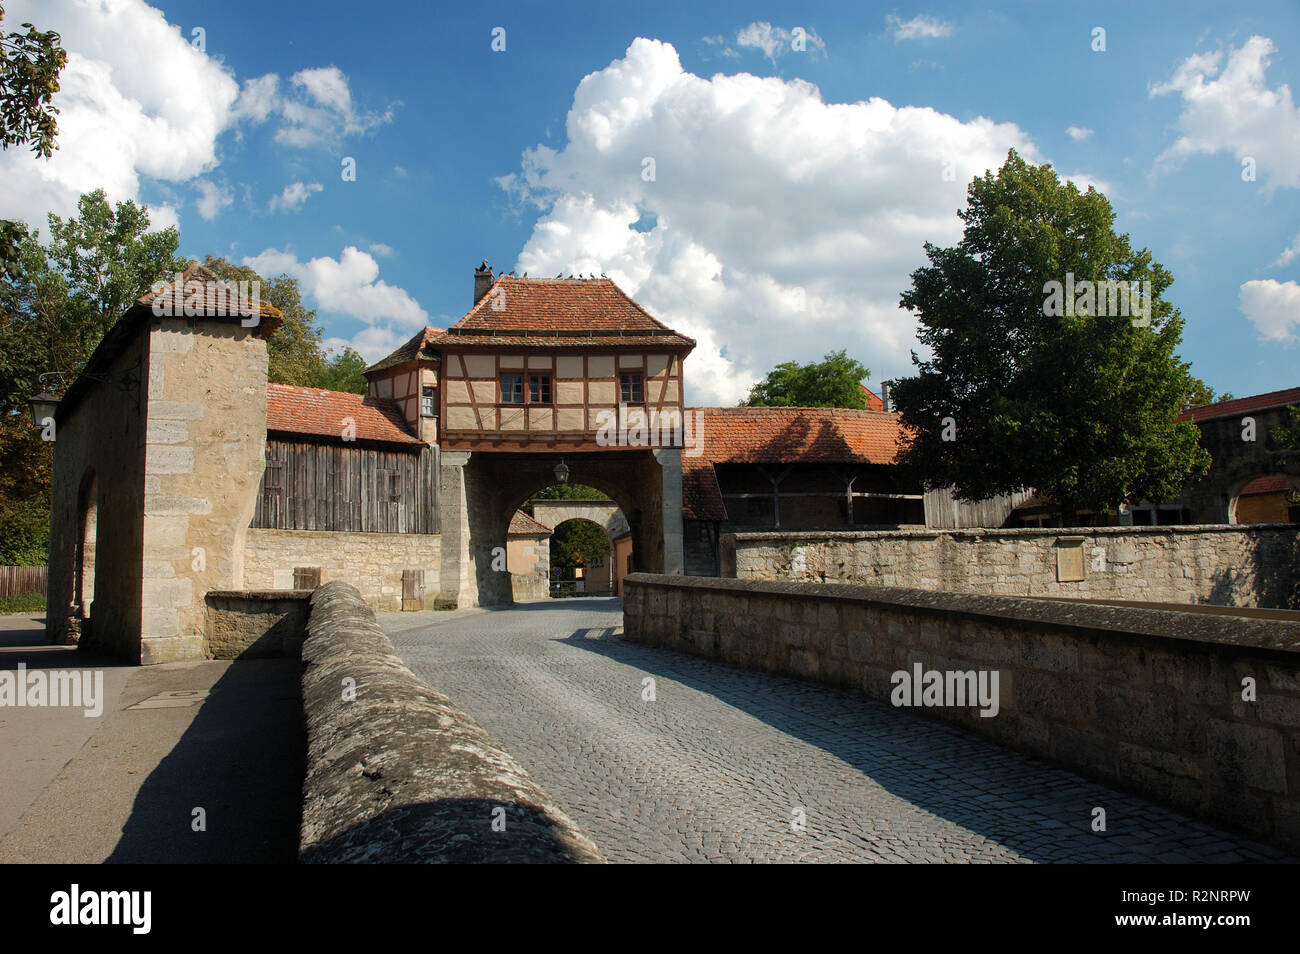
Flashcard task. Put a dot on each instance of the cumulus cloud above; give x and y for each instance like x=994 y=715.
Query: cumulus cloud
x=918 y=28
x=123 y=116
x=293 y=196
x=1273 y=307
x=1231 y=108
x=381 y=249
x=1079 y=133
x=212 y=199
x=350 y=285
x=315 y=107
x=777 y=41
x=776 y=225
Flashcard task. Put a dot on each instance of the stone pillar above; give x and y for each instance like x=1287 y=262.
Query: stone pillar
x=456 y=584
x=670 y=475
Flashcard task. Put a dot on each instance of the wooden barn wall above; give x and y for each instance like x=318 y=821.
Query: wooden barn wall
x=372 y=489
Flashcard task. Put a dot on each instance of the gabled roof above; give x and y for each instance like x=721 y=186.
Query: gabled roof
x=873 y=400
x=199 y=292
x=550 y=312
x=1271 y=484
x=1244 y=405
x=417 y=347
x=701 y=495
x=820 y=435
x=522 y=525
x=320 y=413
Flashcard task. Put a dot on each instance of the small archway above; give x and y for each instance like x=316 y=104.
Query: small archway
x=591 y=569
x=1263 y=498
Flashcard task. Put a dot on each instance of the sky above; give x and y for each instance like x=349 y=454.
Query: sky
x=762 y=177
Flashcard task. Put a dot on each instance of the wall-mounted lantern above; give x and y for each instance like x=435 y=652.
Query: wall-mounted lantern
x=43 y=406
x=561 y=471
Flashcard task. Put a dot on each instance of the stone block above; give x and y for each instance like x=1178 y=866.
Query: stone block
x=1242 y=754
x=155 y=650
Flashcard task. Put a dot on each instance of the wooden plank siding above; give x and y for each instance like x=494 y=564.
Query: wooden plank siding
x=367 y=488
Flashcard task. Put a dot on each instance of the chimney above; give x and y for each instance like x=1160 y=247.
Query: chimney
x=483 y=279
x=884 y=394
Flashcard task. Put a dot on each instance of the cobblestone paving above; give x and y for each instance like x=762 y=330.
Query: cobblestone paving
x=715 y=767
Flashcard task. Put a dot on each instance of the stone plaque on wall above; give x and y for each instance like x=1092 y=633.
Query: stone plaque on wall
x=1069 y=559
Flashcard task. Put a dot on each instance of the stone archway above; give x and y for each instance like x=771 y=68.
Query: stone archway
x=481 y=490
x=598 y=579
x=1242 y=448
x=1234 y=492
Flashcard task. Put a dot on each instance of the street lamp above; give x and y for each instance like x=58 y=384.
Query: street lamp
x=561 y=471
x=43 y=406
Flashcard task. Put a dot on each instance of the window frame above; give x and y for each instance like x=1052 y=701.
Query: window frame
x=631 y=387
x=518 y=377
x=545 y=390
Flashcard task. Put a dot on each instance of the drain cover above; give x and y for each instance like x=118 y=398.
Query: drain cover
x=176 y=698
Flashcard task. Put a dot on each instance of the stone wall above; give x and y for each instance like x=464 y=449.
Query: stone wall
x=1146 y=700
x=396 y=773
x=248 y=624
x=1223 y=565
x=372 y=562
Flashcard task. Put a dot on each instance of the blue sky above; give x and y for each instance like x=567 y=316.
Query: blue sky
x=792 y=189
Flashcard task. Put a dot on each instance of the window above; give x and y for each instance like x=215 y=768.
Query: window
x=539 y=389
x=631 y=388
x=426 y=402
x=512 y=389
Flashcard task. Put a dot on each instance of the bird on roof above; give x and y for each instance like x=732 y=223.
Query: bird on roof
x=525 y=274
x=559 y=274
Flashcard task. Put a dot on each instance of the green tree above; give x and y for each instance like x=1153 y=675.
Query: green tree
x=1202 y=394
x=578 y=543
x=343 y=372
x=30 y=64
x=835 y=381
x=1080 y=407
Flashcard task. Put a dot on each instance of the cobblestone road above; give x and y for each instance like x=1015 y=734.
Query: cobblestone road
x=716 y=767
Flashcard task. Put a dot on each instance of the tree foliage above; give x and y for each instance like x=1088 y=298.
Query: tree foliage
x=832 y=382
x=1080 y=407
x=578 y=543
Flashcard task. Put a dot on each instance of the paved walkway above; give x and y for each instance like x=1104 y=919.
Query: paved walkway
x=122 y=787
x=717 y=767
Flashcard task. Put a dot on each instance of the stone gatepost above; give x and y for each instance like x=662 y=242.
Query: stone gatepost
x=670 y=475
x=457 y=586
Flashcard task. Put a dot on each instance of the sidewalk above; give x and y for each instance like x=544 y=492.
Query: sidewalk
x=225 y=737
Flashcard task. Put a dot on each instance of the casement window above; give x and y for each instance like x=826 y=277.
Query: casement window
x=631 y=388
x=539 y=389
x=426 y=402
x=512 y=389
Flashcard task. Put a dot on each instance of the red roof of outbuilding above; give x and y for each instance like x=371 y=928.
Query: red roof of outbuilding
x=321 y=413
x=1244 y=405
x=822 y=435
x=1272 y=484
x=523 y=525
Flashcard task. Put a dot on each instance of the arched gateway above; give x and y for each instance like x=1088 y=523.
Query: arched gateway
x=543 y=380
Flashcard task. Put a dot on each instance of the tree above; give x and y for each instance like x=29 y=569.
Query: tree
x=30 y=64
x=1202 y=394
x=835 y=381
x=578 y=543
x=1081 y=407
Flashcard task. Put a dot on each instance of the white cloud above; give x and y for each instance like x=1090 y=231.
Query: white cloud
x=1230 y=108
x=350 y=285
x=777 y=41
x=212 y=199
x=919 y=27
x=124 y=116
x=259 y=98
x=294 y=195
x=784 y=226
x=1289 y=255
x=380 y=249
x=1079 y=133
x=1273 y=307
x=319 y=108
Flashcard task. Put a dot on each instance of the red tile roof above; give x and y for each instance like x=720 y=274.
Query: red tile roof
x=874 y=402
x=294 y=410
x=824 y=435
x=416 y=347
x=550 y=312
x=782 y=435
x=1244 y=405
x=523 y=525
x=180 y=297
x=1272 y=484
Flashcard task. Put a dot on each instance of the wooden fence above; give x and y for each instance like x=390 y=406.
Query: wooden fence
x=17 y=580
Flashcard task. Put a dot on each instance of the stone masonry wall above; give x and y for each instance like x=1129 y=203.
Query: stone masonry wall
x=396 y=773
x=1147 y=700
x=372 y=562
x=1223 y=565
